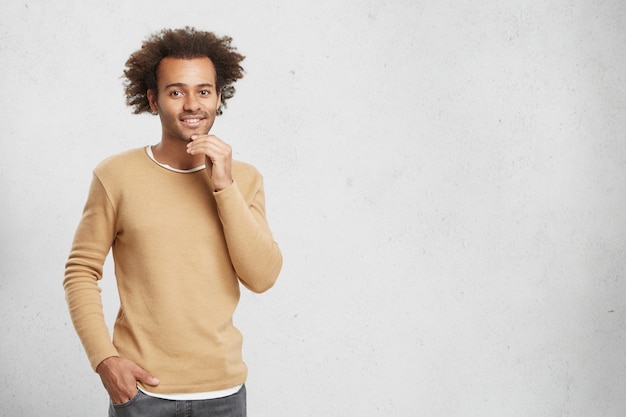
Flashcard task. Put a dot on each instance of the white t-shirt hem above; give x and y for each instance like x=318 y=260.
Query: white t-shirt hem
x=210 y=395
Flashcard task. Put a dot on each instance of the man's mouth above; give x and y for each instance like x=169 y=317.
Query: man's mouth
x=192 y=122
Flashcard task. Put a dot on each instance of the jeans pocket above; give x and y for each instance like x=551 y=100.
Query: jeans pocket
x=129 y=402
x=142 y=405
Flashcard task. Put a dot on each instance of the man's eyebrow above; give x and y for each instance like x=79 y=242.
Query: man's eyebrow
x=185 y=85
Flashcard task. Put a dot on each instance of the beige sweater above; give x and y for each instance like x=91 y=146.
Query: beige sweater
x=180 y=251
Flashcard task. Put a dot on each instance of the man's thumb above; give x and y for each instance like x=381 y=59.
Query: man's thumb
x=146 y=378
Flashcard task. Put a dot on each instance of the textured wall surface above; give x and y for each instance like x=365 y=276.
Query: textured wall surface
x=447 y=180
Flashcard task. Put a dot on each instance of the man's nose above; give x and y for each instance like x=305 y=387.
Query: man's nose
x=191 y=103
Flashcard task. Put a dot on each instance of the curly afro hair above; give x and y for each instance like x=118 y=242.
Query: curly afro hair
x=187 y=43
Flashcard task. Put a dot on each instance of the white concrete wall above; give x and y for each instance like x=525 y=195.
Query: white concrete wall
x=447 y=180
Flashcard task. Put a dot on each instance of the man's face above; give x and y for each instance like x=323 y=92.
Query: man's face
x=187 y=99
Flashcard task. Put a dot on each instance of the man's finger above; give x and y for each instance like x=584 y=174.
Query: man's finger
x=145 y=377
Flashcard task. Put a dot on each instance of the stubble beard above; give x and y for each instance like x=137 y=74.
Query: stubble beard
x=180 y=131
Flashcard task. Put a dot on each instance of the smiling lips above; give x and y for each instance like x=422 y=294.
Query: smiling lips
x=192 y=122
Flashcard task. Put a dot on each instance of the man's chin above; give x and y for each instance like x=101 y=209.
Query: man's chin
x=188 y=133
x=186 y=136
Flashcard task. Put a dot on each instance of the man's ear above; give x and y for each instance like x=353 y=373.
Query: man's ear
x=219 y=103
x=152 y=100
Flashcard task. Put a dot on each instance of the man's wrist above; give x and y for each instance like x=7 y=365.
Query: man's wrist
x=105 y=363
x=218 y=189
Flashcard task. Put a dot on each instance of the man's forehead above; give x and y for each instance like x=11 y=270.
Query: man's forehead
x=186 y=71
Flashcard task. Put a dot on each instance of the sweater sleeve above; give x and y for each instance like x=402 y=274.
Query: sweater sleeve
x=255 y=255
x=92 y=242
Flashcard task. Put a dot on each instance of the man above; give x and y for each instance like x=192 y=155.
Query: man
x=186 y=224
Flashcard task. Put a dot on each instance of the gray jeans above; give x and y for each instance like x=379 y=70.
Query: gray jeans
x=144 y=405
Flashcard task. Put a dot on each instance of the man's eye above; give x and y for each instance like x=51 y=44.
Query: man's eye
x=205 y=92
x=176 y=94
